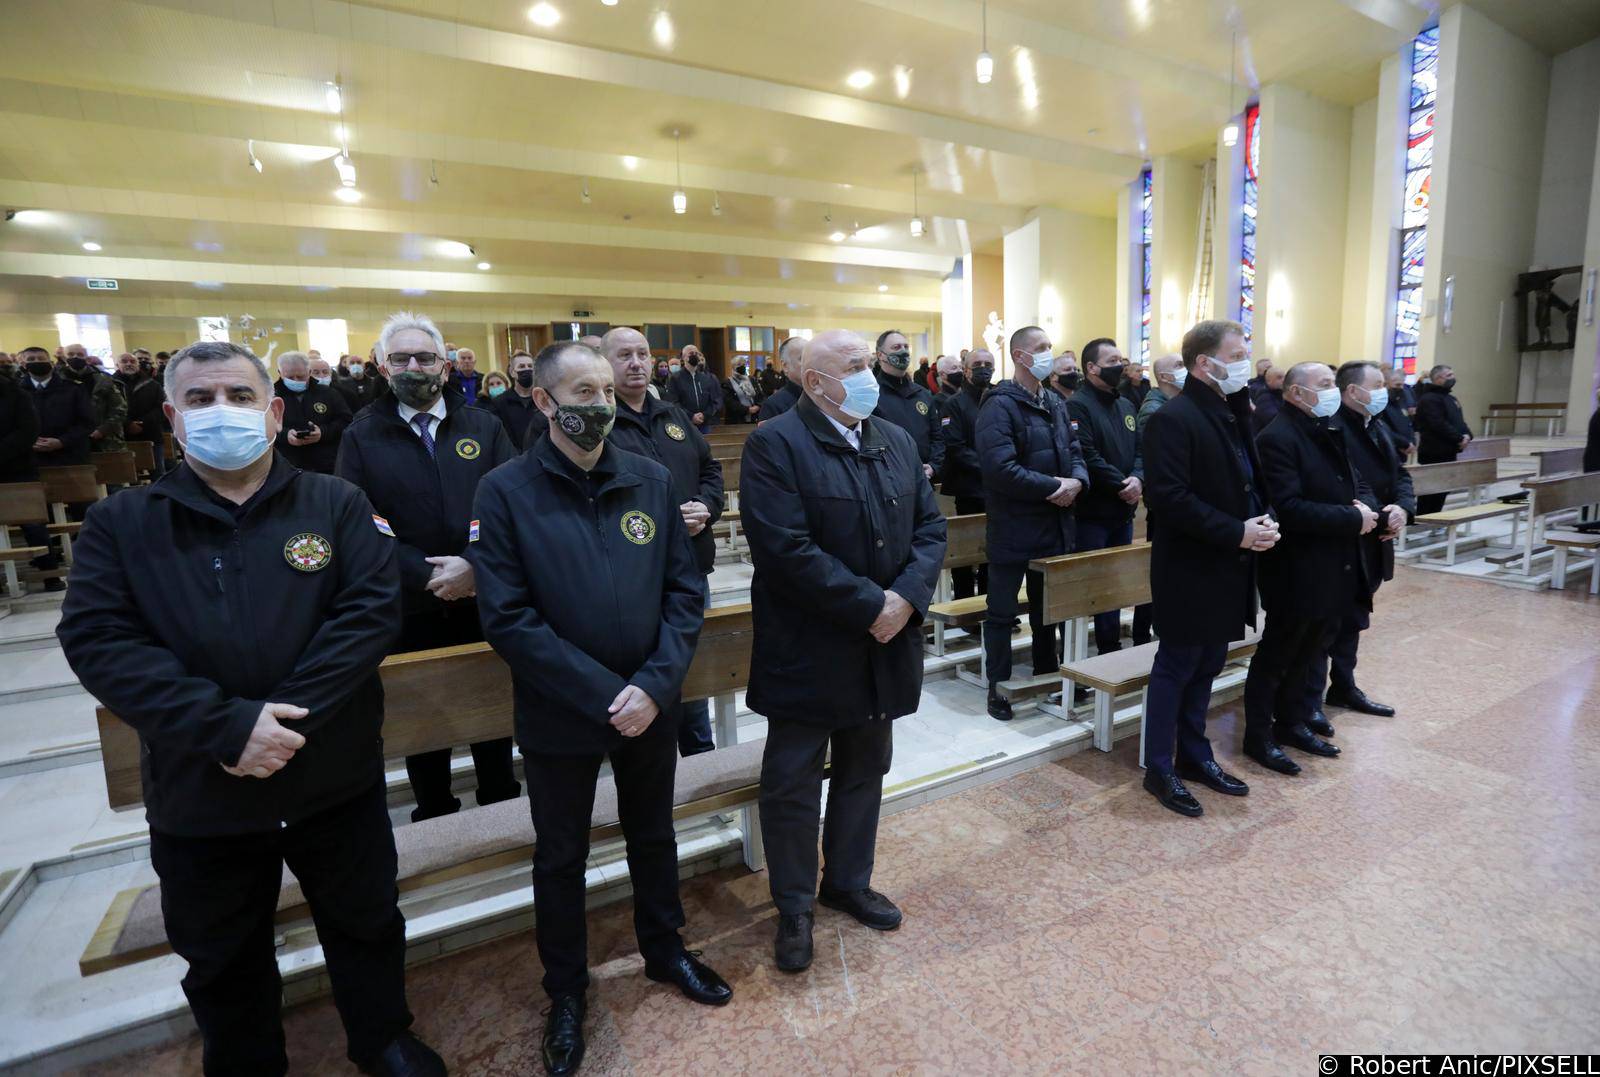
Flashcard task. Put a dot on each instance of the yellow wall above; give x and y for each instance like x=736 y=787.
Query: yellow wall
x=1174 y=209
x=1362 y=316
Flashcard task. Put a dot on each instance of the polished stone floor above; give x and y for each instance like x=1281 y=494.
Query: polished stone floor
x=1432 y=890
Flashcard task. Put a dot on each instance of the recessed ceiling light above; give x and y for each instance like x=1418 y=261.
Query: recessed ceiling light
x=859 y=79
x=347 y=194
x=883 y=287
x=486 y=265
x=663 y=31
x=902 y=81
x=630 y=163
x=30 y=216
x=837 y=237
x=609 y=3
x=543 y=14
x=91 y=245
x=454 y=248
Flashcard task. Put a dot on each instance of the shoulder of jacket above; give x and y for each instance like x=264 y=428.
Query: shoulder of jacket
x=642 y=466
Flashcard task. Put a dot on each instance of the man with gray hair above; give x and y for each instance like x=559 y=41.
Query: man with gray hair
x=314 y=415
x=234 y=614
x=789 y=393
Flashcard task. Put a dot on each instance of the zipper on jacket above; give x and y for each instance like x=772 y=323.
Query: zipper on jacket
x=216 y=566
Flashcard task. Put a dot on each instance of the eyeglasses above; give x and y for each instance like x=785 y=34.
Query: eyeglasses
x=424 y=360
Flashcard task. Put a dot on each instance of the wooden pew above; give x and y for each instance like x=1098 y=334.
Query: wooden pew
x=144 y=459
x=967 y=545
x=20 y=503
x=1486 y=449
x=1551 y=413
x=1558 y=494
x=169 y=445
x=115 y=468
x=426 y=708
x=1558 y=461
x=1473 y=476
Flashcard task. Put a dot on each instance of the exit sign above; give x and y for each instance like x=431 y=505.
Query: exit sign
x=101 y=284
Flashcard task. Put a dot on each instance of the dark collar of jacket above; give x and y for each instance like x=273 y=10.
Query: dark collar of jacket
x=906 y=386
x=816 y=421
x=546 y=458
x=184 y=486
x=1207 y=398
x=1356 y=422
x=1102 y=397
x=645 y=417
x=1009 y=388
x=1327 y=432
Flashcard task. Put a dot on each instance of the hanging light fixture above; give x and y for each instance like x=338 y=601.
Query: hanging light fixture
x=334 y=96
x=985 y=61
x=346 y=168
x=1230 y=133
x=680 y=201
x=916 y=218
x=250 y=148
x=716 y=204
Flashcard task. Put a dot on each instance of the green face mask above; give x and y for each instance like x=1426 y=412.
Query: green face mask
x=585 y=424
x=416 y=389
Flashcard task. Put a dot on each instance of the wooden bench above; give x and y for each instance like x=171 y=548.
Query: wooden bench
x=169 y=446
x=144 y=458
x=1551 y=413
x=21 y=503
x=1559 y=461
x=1486 y=449
x=426 y=709
x=1582 y=541
x=967 y=545
x=1473 y=476
x=1548 y=497
x=115 y=468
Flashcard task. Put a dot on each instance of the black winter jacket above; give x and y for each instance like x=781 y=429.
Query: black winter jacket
x=786 y=397
x=184 y=617
x=1377 y=460
x=907 y=403
x=1025 y=445
x=1440 y=424
x=963 y=470
x=831 y=529
x=19 y=427
x=1107 y=429
x=64 y=410
x=698 y=391
x=321 y=405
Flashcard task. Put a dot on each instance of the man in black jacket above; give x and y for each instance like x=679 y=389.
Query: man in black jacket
x=314 y=416
x=1033 y=472
x=963 y=470
x=515 y=408
x=789 y=393
x=1396 y=414
x=1268 y=399
x=1317 y=576
x=234 y=614
x=588 y=588
x=696 y=390
x=847 y=541
x=19 y=429
x=144 y=420
x=359 y=384
x=1104 y=420
x=66 y=419
x=1442 y=430
x=1208 y=520
x=906 y=401
x=1364 y=397
x=418 y=454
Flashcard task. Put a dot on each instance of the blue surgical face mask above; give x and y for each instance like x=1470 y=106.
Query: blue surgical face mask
x=1327 y=402
x=1041 y=366
x=225 y=437
x=1179 y=376
x=294 y=386
x=1379 y=401
x=325 y=381
x=860 y=393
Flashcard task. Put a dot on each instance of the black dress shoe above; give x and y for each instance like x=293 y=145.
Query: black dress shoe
x=55 y=584
x=866 y=905
x=1318 y=723
x=563 y=1035
x=999 y=705
x=1211 y=775
x=1356 y=700
x=1269 y=755
x=1298 y=736
x=1165 y=787
x=694 y=978
x=407 y=1056
x=792 y=948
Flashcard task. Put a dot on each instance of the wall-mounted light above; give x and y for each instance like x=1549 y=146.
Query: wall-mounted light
x=716 y=204
x=1447 y=302
x=583 y=194
x=334 y=97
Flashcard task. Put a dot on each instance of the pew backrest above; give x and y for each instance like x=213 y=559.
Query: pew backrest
x=730 y=473
x=144 y=456
x=967 y=540
x=1560 y=492
x=1452 y=475
x=1486 y=449
x=1558 y=461
x=23 y=503
x=1083 y=584
x=73 y=483
x=114 y=468
x=451 y=696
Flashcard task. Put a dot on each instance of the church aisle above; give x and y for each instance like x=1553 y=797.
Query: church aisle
x=1430 y=890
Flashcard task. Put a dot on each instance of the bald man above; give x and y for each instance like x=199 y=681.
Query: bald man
x=1169 y=375
x=847 y=542
x=1267 y=400
x=789 y=393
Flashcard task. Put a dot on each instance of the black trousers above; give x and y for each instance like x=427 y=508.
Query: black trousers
x=1102 y=535
x=218 y=896
x=969 y=580
x=1003 y=583
x=429 y=772
x=1275 y=689
x=791 y=805
x=694 y=727
x=561 y=800
x=1176 y=703
x=1334 y=667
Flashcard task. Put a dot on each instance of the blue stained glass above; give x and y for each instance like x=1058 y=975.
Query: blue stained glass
x=1416 y=196
x=1144 y=269
x=1425 y=68
x=1247 y=219
x=1419 y=141
x=1412 y=247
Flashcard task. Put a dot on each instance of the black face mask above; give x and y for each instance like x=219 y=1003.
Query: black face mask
x=898 y=360
x=39 y=369
x=1112 y=375
x=77 y=363
x=1449 y=383
x=416 y=389
x=525 y=378
x=1069 y=382
x=739 y=371
x=982 y=375
x=956 y=380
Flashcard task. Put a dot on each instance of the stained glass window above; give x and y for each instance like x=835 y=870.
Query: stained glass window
x=1417 y=191
x=1144 y=272
x=1247 y=220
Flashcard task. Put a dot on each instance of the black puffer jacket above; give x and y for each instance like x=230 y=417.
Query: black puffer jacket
x=1026 y=444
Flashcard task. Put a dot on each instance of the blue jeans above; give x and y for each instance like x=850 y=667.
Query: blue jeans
x=1101 y=535
x=1176 y=702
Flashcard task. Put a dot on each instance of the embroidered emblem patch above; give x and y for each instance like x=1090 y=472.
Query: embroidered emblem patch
x=382 y=525
x=922 y=407
x=676 y=432
x=308 y=552
x=320 y=408
x=638 y=528
x=1127 y=420
x=572 y=424
x=468 y=449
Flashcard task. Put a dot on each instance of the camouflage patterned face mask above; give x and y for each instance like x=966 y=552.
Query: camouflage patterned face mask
x=416 y=389
x=585 y=424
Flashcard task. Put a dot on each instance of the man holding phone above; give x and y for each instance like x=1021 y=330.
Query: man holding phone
x=314 y=416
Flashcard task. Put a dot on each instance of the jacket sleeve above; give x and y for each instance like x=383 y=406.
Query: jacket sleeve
x=1138 y=447
x=960 y=448
x=1296 y=512
x=76 y=436
x=1169 y=490
x=1002 y=472
x=518 y=631
x=683 y=611
x=122 y=662
x=116 y=406
x=338 y=416
x=1103 y=474
x=1404 y=493
x=709 y=492
x=1433 y=420
x=360 y=625
x=16 y=440
x=1080 y=467
x=781 y=546
x=929 y=538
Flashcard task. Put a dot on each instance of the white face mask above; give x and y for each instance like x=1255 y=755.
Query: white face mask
x=1178 y=377
x=1327 y=402
x=1041 y=366
x=1237 y=378
x=1379 y=399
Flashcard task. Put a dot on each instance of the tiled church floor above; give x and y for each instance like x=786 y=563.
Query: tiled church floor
x=1431 y=890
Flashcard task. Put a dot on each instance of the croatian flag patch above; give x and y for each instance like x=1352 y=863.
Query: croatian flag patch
x=382 y=525
x=472 y=531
